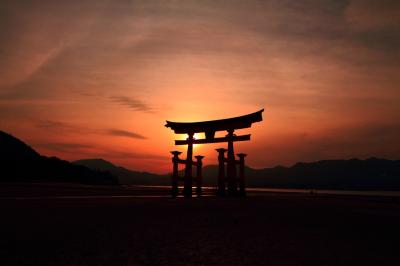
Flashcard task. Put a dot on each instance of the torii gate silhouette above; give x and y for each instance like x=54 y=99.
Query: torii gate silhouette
x=209 y=128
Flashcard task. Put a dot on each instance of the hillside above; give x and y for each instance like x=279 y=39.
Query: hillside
x=20 y=163
x=12 y=148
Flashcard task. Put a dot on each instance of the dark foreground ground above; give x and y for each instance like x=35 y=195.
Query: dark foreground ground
x=42 y=228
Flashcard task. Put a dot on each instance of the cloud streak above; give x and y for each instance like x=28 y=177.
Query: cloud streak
x=64 y=146
x=58 y=127
x=61 y=127
x=91 y=151
x=132 y=103
x=124 y=133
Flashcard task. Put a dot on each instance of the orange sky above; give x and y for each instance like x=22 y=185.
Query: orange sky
x=98 y=79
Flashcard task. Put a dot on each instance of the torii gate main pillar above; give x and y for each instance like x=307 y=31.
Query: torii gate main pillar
x=231 y=166
x=187 y=189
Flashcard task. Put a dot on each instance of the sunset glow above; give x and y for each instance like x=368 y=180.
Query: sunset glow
x=98 y=79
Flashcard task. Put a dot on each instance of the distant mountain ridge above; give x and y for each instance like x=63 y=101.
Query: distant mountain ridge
x=20 y=163
x=125 y=176
x=353 y=174
x=97 y=163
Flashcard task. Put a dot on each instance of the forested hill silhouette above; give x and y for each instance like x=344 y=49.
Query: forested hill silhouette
x=21 y=163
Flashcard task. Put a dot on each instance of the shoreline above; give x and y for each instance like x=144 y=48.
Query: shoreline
x=37 y=189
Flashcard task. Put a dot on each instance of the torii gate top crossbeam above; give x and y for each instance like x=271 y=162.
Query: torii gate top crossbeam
x=210 y=127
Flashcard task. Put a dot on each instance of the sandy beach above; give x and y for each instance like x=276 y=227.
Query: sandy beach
x=264 y=229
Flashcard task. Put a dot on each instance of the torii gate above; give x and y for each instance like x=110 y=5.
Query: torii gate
x=209 y=128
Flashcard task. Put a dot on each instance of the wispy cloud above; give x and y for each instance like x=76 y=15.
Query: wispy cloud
x=135 y=104
x=133 y=155
x=67 y=128
x=124 y=133
x=373 y=15
x=60 y=127
x=92 y=151
x=64 y=146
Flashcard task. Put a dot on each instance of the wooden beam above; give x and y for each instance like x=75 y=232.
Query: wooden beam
x=214 y=140
x=244 y=121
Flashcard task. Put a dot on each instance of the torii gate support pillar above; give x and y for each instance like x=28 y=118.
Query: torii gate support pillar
x=175 y=175
x=242 y=184
x=221 y=172
x=199 y=174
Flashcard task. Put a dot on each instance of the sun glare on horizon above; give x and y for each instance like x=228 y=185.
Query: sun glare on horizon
x=198 y=136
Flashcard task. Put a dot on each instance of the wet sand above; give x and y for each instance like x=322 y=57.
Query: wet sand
x=45 y=228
